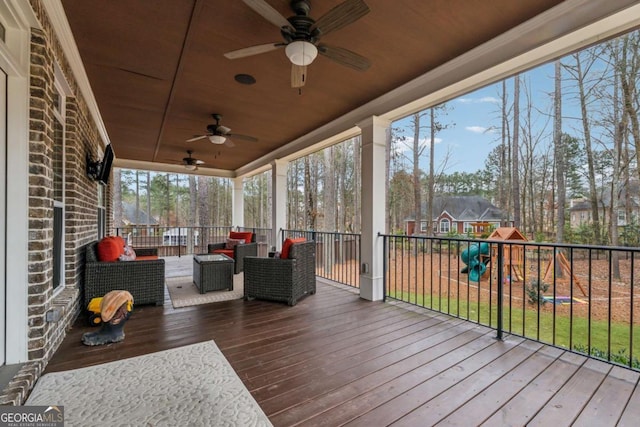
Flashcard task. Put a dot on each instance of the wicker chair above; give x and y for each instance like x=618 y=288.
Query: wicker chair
x=285 y=280
x=144 y=279
x=239 y=252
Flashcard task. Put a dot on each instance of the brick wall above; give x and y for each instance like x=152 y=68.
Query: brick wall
x=81 y=197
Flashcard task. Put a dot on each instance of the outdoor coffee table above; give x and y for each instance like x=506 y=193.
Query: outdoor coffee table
x=213 y=272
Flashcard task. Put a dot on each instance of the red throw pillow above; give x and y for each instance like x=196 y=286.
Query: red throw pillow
x=286 y=246
x=246 y=235
x=110 y=248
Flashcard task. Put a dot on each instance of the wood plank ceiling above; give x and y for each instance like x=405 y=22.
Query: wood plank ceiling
x=158 y=72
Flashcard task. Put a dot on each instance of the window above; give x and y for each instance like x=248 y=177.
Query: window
x=622 y=216
x=58 y=188
x=467 y=227
x=423 y=226
x=445 y=225
x=102 y=212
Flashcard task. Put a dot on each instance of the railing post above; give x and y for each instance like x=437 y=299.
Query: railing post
x=385 y=266
x=500 y=265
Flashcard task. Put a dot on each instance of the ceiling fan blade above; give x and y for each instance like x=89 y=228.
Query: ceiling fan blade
x=196 y=138
x=223 y=129
x=253 y=50
x=243 y=137
x=199 y=162
x=229 y=143
x=345 y=57
x=340 y=16
x=265 y=10
x=298 y=75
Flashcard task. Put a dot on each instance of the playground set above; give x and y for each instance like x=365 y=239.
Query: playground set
x=478 y=256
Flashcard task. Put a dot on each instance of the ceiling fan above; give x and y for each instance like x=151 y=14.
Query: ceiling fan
x=302 y=36
x=218 y=134
x=191 y=163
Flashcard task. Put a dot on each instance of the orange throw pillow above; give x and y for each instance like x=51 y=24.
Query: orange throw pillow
x=110 y=248
x=286 y=246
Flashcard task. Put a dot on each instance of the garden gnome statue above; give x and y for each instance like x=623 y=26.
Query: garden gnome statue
x=115 y=309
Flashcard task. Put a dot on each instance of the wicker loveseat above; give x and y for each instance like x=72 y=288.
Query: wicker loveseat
x=278 y=279
x=239 y=251
x=144 y=279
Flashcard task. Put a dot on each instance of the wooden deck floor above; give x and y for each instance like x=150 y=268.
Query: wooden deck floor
x=335 y=359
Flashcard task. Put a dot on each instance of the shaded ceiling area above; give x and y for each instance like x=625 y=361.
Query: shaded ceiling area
x=158 y=71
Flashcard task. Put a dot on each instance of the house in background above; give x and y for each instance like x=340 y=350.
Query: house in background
x=580 y=209
x=459 y=215
x=136 y=218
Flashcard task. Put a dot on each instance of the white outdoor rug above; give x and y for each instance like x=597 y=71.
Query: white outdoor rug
x=184 y=292
x=192 y=385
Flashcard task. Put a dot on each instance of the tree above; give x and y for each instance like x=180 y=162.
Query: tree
x=559 y=152
x=435 y=127
x=117 y=198
x=515 y=181
x=578 y=72
x=309 y=196
x=416 y=151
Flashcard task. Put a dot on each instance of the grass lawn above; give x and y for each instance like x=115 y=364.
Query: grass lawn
x=540 y=326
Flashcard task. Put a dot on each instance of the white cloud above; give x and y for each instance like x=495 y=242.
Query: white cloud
x=407 y=144
x=490 y=99
x=476 y=129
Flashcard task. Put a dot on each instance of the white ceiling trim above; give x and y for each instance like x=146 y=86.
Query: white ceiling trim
x=177 y=168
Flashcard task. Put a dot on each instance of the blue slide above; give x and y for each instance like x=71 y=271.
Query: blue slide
x=473 y=265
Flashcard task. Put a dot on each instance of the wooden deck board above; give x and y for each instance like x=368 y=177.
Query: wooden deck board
x=335 y=359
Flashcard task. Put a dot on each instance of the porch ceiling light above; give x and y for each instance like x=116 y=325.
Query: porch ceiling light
x=301 y=52
x=217 y=139
x=190 y=167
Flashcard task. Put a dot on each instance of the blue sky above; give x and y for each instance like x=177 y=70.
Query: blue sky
x=472 y=120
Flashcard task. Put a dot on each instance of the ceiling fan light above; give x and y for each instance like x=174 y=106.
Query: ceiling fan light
x=301 y=52
x=217 y=139
x=190 y=167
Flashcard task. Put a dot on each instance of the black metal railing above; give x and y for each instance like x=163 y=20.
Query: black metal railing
x=174 y=241
x=263 y=238
x=337 y=254
x=580 y=298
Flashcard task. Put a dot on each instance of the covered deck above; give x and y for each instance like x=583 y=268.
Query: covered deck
x=337 y=359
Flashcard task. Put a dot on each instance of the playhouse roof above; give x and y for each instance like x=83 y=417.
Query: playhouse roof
x=507 y=233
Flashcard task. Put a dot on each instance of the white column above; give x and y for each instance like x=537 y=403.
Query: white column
x=279 y=202
x=237 y=203
x=374 y=139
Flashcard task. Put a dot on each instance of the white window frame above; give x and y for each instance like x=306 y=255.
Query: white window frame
x=444 y=221
x=59 y=113
x=102 y=211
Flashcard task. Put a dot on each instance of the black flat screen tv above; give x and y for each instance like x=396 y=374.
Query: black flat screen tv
x=105 y=166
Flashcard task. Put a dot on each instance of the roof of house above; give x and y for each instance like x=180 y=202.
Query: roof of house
x=605 y=198
x=129 y=215
x=465 y=208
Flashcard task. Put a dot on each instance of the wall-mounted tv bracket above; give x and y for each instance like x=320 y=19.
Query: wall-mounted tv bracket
x=93 y=167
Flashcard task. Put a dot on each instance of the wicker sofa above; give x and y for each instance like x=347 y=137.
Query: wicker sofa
x=239 y=251
x=144 y=279
x=286 y=280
